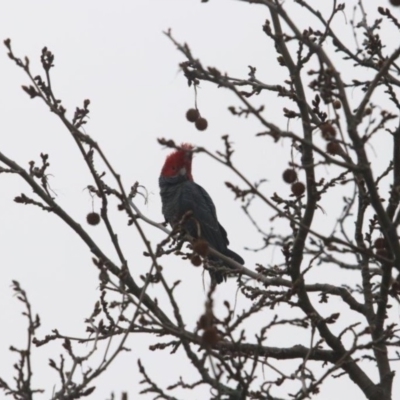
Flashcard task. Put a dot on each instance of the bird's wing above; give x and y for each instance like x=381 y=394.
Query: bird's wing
x=196 y=199
x=211 y=205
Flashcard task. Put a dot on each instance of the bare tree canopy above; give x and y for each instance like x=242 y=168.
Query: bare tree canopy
x=326 y=277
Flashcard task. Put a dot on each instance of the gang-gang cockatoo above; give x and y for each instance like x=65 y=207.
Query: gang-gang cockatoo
x=180 y=194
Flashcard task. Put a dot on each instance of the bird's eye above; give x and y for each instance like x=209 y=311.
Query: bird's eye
x=174 y=168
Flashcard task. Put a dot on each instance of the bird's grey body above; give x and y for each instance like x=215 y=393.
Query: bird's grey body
x=180 y=195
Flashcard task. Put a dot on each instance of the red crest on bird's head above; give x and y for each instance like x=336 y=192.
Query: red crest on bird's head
x=179 y=162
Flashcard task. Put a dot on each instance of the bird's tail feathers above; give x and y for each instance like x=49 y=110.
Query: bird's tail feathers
x=236 y=257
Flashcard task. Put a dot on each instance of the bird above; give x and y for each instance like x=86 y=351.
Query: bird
x=181 y=196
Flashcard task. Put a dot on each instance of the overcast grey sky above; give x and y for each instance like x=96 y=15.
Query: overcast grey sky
x=115 y=54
